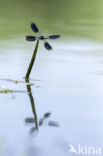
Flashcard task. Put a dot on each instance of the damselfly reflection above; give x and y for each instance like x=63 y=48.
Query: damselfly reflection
x=42 y=121
x=41 y=37
x=34 y=120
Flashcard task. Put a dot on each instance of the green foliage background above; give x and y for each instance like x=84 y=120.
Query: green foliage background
x=76 y=18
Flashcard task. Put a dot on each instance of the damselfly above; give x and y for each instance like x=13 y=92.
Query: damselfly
x=41 y=37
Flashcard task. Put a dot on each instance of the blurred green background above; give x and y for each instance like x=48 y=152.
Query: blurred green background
x=71 y=18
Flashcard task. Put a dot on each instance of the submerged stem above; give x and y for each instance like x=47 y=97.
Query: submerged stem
x=32 y=60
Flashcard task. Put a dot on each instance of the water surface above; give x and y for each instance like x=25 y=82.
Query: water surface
x=66 y=83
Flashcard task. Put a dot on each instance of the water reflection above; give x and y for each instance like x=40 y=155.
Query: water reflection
x=32 y=105
x=35 y=120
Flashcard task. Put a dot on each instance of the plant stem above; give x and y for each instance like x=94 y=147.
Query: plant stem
x=32 y=60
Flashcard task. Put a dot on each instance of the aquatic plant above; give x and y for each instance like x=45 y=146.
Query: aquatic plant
x=39 y=37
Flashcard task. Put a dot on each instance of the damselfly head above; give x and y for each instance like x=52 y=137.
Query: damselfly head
x=41 y=37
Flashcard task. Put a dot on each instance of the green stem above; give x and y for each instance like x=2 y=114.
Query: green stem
x=32 y=60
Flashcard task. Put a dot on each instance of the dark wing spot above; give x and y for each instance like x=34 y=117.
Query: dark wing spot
x=54 y=36
x=29 y=120
x=53 y=123
x=47 y=46
x=33 y=129
x=34 y=27
x=30 y=38
x=47 y=115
